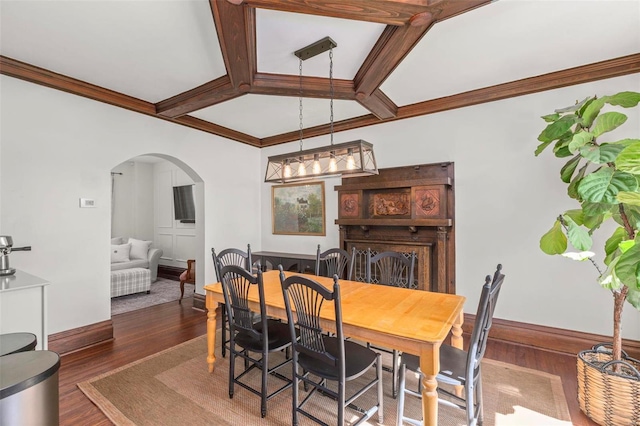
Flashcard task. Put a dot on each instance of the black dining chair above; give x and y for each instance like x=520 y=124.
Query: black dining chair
x=335 y=261
x=459 y=367
x=227 y=257
x=329 y=358
x=249 y=336
x=393 y=269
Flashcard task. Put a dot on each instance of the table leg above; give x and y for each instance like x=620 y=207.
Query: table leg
x=456 y=341
x=430 y=366
x=211 y=332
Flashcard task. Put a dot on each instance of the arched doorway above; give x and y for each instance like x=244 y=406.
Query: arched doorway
x=142 y=208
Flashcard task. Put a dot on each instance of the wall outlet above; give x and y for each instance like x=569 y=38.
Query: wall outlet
x=87 y=202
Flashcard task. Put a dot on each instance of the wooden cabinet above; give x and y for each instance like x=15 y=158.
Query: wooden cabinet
x=403 y=209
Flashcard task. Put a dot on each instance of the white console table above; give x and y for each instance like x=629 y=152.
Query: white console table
x=23 y=305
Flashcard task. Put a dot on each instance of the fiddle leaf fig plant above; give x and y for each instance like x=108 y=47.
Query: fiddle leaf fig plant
x=603 y=176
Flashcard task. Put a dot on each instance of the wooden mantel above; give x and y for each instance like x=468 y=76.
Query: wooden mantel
x=403 y=209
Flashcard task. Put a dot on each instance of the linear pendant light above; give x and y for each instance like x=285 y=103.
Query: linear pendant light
x=348 y=159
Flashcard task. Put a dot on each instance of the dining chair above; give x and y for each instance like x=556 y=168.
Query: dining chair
x=335 y=261
x=188 y=276
x=249 y=337
x=458 y=367
x=227 y=257
x=329 y=358
x=393 y=269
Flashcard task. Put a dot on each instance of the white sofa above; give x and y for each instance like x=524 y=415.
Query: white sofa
x=128 y=253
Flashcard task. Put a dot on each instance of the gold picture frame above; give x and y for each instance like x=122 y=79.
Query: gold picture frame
x=298 y=209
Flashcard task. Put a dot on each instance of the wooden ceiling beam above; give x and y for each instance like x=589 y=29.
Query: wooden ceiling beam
x=211 y=93
x=392 y=46
x=611 y=68
x=23 y=71
x=389 y=12
x=235 y=26
x=312 y=87
x=379 y=104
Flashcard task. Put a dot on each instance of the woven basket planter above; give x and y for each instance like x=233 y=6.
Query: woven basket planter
x=608 y=398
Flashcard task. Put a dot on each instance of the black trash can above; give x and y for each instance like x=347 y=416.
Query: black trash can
x=29 y=388
x=11 y=343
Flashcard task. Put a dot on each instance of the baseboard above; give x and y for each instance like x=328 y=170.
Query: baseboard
x=199 y=302
x=170 y=272
x=81 y=338
x=547 y=338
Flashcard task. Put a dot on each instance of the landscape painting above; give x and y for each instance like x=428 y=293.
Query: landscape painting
x=298 y=209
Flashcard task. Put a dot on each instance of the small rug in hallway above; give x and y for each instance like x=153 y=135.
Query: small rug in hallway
x=162 y=291
x=174 y=387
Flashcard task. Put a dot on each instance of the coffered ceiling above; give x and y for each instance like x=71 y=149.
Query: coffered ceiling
x=227 y=66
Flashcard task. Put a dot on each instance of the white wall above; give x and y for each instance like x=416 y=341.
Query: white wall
x=506 y=199
x=133 y=201
x=58 y=147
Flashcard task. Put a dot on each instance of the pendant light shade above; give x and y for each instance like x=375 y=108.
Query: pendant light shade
x=348 y=159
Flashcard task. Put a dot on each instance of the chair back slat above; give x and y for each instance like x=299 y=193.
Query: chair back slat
x=308 y=298
x=483 y=321
x=391 y=268
x=335 y=261
x=231 y=256
x=237 y=282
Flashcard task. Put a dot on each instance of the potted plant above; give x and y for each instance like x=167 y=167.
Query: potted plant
x=604 y=178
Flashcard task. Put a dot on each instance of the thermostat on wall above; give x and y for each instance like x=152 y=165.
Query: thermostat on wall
x=87 y=202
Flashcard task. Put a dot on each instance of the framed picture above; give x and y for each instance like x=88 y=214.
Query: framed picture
x=298 y=209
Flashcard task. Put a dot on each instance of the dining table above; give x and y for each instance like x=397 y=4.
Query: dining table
x=412 y=321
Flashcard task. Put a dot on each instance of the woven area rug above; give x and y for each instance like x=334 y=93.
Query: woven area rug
x=174 y=387
x=162 y=291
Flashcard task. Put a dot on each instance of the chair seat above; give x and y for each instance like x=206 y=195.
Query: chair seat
x=358 y=360
x=279 y=337
x=452 y=364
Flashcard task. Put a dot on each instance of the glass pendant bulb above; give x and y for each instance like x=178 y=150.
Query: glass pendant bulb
x=316 y=164
x=351 y=162
x=333 y=166
x=302 y=170
x=287 y=169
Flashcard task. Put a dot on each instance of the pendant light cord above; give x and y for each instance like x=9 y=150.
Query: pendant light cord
x=300 y=102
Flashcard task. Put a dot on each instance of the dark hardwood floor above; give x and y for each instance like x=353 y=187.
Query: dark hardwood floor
x=150 y=330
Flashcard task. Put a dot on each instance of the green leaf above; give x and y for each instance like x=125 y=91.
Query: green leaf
x=609 y=279
x=624 y=99
x=633 y=297
x=572 y=108
x=572 y=189
x=601 y=154
x=567 y=170
x=625 y=142
x=562 y=152
x=577 y=215
x=626 y=245
x=629 y=159
x=558 y=128
x=591 y=112
x=603 y=185
x=551 y=117
x=595 y=209
x=554 y=241
x=627 y=267
x=593 y=222
x=632 y=198
x=579 y=140
x=614 y=240
x=607 y=122
x=578 y=236
x=541 y=147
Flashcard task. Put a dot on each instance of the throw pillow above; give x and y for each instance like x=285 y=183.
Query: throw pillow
x=120 y=253
x=116 y=241
x=139 y=248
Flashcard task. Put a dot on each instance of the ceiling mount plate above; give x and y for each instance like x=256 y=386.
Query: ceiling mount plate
x=316 y=48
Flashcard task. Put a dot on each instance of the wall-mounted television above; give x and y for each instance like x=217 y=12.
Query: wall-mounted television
x=183 y=204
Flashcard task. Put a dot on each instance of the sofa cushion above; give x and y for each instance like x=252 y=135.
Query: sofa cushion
x=139 y=249
x=117 y=241
x=137 y=263
x=120 y=253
